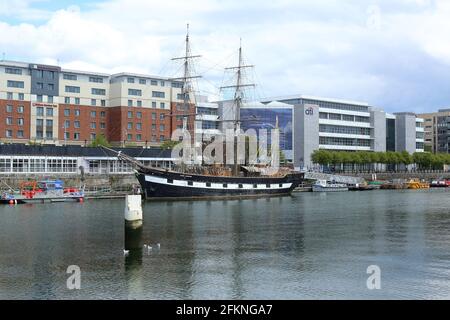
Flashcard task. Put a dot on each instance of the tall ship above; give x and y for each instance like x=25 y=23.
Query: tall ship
x=212 y=180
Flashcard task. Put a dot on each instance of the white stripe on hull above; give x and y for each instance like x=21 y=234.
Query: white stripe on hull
x=218 y=186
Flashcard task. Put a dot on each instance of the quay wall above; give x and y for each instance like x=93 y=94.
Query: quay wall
x=428 y=176
x=118 y=182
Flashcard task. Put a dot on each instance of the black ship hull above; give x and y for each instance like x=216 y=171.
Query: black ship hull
x=159 y=184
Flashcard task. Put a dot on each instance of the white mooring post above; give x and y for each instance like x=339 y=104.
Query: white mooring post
x=133 y=210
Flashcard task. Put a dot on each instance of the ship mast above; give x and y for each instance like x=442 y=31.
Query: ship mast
x=238 y=97
x=187 y=78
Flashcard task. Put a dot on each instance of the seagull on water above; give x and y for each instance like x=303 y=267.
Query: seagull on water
x=126 y=252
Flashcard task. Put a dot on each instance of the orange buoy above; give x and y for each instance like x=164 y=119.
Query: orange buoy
x=80 y=200
x=11 y=201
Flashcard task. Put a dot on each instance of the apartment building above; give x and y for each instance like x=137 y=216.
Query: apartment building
x=437 y=130
x=49 y=105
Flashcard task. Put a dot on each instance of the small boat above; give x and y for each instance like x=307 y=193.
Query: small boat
x=42 y=191
x=417 y=184
x=442 y=183
x=323 y=185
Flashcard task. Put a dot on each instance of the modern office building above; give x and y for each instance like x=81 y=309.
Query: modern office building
x=49 y=105
x=312 y=123
x=437 y=130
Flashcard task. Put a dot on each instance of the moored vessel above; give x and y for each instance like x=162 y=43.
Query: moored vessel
x=323 y=185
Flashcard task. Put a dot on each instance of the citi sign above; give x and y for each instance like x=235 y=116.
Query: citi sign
x=309 y=111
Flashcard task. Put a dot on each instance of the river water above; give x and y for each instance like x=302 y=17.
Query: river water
x=307 y=246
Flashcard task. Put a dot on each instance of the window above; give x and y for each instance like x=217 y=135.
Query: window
x=153 y=126
x=67 y=76
x=50 y=99
x=72 y=89
x=66 y=112
x=280 y=185
x=77 y=112
x=20 y=121
x=67 y=100
x=40 y=85
x=93 y=125
x=9 y=108
x=9 y=133
x=40 y=73
x=77 y=100
x=130 y=103
x=39 y=123
x=138 y=126
x=51 y=74
x=130 y=114
x=129 y=136
x=40 y=111
x=9 y=120
x=49 y=112
x=161 y=127
x=21 y=96
x=153 y=115
x=225 y=185
x=76 y=136
x=102 y=125
x=93 y=136
x=93 y=102
x=130 y=80
x=158 y=94
x=51 y=86
x=66 y=124
x=93 y=114
x=139 y=115
x=169 y=181
x=142 y=81
x=138 y=137
x=139 y=103
x=66 y=135
x=39 y=98
x=240 y=186
x=15 y=84
x=161 y=117
x=255 y=186
x=153 y=104
x=76 y=124
x=103 y=103
x=20 y=109
x=180 y=96
x=9 y=95
x=102 y=114
x=20 y=134
x=162 y=105
x=134 y=92
x=99 y=92
x=190 y=183
x=13 y=71
x=153 y=138
x=154 y=83
x=208 y=184
x=130 y=126
x=96 y=79
x=49 y=123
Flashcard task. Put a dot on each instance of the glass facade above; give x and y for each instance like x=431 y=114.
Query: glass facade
x=265 y=119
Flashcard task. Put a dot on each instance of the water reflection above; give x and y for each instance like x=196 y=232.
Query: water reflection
x=305 y=246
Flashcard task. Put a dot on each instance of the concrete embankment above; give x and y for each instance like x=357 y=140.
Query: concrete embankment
x=427 y=176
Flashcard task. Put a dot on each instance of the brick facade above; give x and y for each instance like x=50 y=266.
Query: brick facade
x=20 y=111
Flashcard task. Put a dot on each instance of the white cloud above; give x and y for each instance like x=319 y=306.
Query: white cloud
x=344 y=49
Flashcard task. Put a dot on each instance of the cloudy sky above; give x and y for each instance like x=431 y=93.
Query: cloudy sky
x=394 y=54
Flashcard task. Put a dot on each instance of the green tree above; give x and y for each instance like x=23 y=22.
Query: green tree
x=100 y=140
x=169 y=144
